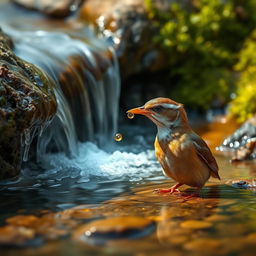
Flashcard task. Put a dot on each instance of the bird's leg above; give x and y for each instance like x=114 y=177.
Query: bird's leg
x=168 y=190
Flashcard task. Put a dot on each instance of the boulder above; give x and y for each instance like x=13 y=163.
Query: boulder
x=27 y=102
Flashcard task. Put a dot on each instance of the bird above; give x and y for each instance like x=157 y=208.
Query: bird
x=184 y=156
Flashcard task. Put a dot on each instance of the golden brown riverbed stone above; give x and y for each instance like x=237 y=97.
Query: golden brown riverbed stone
x=196 y=224
x=77 y=213
x=113 y=227
x=15 y=235
x=23 y=220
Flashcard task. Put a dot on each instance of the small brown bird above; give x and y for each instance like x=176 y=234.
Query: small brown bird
x=183 y=155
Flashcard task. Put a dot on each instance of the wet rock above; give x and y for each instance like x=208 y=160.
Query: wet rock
x=55 y=8
x=126 y=25
x=243 y=184
x=240 y=184
x=242 y=142
x=48 y=226
x=27 y=102
x=99 y=231
x=196 y=224
x=77 y=213
x=246 y=152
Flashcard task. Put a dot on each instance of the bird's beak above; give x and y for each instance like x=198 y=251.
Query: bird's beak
x=139 y=110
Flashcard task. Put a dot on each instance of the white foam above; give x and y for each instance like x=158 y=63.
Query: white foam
x=93 y=161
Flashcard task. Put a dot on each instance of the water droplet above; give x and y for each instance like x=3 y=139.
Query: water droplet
x=130 y=115
x=118 y=137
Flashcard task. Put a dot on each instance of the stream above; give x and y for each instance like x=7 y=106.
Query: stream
x=83 y=193
x=60 y=204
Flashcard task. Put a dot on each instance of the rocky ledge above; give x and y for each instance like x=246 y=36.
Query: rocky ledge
x=27 y=102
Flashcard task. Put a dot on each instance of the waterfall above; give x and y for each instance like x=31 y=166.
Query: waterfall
x=85 y=74
x=87 y=85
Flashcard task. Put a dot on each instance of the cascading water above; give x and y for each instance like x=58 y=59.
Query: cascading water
x=85 y=71
x=87 y=96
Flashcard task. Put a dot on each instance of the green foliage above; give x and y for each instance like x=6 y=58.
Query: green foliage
x=244 y=105
x=201 y=42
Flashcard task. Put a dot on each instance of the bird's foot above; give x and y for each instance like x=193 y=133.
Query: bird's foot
x=165 y=190
x=171 y=190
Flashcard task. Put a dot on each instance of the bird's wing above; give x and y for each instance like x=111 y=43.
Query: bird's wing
x=205 y=154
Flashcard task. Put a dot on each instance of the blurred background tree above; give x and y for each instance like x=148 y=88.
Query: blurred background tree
x=244 y=104
x=209 y=45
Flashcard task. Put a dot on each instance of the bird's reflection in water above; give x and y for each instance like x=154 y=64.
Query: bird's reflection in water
x=214 y=220
x=181 y=223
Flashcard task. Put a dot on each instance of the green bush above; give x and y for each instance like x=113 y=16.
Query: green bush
x=201 y=42
x=244 y=104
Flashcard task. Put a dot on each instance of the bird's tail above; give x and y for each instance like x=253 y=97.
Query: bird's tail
x=215 y=175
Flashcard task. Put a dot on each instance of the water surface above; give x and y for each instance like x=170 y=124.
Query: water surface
x=119 y=181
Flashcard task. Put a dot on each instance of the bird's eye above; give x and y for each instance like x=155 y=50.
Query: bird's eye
x=157 y=108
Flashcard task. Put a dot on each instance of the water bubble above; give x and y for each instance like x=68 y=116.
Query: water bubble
x=130 y=115
x=118 y=137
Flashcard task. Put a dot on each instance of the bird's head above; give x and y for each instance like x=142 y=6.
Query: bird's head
x=163 y=112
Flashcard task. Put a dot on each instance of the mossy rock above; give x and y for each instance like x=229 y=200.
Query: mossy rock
x=26 y=100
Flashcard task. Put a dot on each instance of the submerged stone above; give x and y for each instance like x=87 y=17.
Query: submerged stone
x=196 y=224
x=99 y=231
x=27 y=102
x=243 y=184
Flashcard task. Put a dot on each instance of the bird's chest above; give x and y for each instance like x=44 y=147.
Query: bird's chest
x=174 y=155
x=171 y=150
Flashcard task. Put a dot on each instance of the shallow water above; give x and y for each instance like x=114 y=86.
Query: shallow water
x=119 y=182
x=94 y=175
